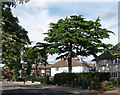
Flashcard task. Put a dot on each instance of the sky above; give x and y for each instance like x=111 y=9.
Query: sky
x=36 y=16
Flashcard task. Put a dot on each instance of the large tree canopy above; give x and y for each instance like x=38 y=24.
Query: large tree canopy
x=75 y=36
x=14 y=38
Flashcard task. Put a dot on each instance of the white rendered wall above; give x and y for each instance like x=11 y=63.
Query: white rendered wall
x=76 y=69
x=61 y=69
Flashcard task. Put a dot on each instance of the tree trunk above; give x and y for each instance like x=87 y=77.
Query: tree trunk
x=70 y=59
x=70 y=64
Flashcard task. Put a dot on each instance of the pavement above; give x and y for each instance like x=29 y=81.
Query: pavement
x=19 y=88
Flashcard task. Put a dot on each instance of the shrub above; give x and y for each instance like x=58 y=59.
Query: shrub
x=113 y=81
x=64 y=78
x=118 y=80
x=78 y=78
x=20 y=79
x=43 y=79
x=110 y=86
x=103 y=76
x=37 y=78
x=51 y=79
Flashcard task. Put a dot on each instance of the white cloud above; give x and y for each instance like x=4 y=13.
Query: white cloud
x=37 y=4
x=88 y=59
x=109 y=14
x=34 y=20
x=52 y=59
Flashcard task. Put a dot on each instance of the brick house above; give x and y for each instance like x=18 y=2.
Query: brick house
x=42 y=70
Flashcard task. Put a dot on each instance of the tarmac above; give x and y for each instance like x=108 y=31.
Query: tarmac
x=36 y=88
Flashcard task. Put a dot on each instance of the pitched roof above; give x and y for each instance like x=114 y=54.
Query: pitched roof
x=108 y=55
x=92 y=65
x=42 y=66
x=88 y=64
x=63 y=63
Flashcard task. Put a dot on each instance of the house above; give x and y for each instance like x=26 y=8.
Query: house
x=42 y=70
x=107 y=62
x=77 y=67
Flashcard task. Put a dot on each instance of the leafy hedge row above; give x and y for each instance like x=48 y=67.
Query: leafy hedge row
x=20 y=79
x=78 y=78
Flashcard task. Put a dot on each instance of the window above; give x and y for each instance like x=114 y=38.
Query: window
x=57 y=69
x=114 y=74
x=33 y=68
x=47 y=69
x=113 y=61
x=42 y=71
x=118 y=61
x=103 y=62
x=85 y=68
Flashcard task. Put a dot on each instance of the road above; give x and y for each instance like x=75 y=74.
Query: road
x=19 y=88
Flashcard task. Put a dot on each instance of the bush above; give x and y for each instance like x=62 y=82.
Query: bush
x=20 y=79
x=78 y=78
x=113 y=81
x=51 y=79
x=37 y=78
x=103 y=76
x=118 y=80
x=110 y=86
x=64 y=78
x=43 y=79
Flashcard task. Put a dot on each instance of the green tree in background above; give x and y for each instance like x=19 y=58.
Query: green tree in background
x=14 y=39
x=75 y=36
x=33 y=56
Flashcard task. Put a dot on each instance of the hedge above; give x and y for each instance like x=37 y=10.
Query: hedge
x=20 y=79
x=78 y=78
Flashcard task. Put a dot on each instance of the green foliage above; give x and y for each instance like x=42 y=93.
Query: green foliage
x=79 y=78
x=33 y=55
x=110 y=86
x=75 y=36
x=115 y=82
x=15 y=73
x=20 y=79
x=37 y=78
x=43 y=80
x=112 y=83
x=14 y=38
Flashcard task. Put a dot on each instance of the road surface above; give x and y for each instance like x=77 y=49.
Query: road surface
x=19 y=88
